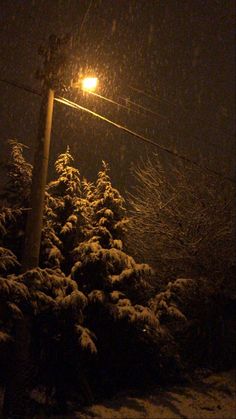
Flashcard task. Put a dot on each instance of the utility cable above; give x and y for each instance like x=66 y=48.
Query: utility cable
x=114 y=102
x=83 y=20
x=144 y=108
x=21 y=86
x=141 y=137
x=158 y=99
x=121 y=127
x=148 y=110
x=127 y=100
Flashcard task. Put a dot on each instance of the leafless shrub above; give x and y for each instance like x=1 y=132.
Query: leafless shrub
x=182 y=221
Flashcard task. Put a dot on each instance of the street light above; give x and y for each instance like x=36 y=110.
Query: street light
x=34 y=223
x=89 y=83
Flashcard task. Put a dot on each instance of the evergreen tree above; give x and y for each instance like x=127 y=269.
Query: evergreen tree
x=116 y=286
x=108 y=212
x=8 y=261
x=51 y=246
x=15 y=201
x=17 y=189
x=85 y=209
x=196 y=313
x=102 y=245
x=11 y=239
x=42 y=311
x=61 y=215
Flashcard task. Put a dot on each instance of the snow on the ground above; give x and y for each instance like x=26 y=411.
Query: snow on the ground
x=212 y=397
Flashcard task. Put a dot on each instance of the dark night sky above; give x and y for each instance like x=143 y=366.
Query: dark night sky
x=180 y=51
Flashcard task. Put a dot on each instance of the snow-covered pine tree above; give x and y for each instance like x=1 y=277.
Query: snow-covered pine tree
x=61 y=215
x=108 y=211
x=52 y=307
x=85 y=209
x=116 y=286
x=15 y=200
x=51 y=246
x=195 y=313
x=101 y=249
x=19 y=172
x=8 y=261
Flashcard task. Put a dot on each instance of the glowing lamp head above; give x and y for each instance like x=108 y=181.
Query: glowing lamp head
x=89 y=83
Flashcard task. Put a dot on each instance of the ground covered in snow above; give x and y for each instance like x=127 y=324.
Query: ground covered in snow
x=212 y=396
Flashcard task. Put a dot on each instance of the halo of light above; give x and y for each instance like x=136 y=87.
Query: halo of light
x=89 y=83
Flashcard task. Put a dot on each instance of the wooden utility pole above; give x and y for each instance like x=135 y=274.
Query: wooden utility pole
x=54 y=75
x=16 y=393
x=39 y=178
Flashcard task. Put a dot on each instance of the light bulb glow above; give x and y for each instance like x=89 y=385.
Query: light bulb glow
x=89 y=83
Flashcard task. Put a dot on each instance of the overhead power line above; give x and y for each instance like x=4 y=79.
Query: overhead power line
x=158 y=99
x=121 y=127
x=84 y=20
x=169 y=120
x=114 y=102
x=142 y=137
x=144 y=108
x=147 y=110
x=21 y=86
x=33 y=91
